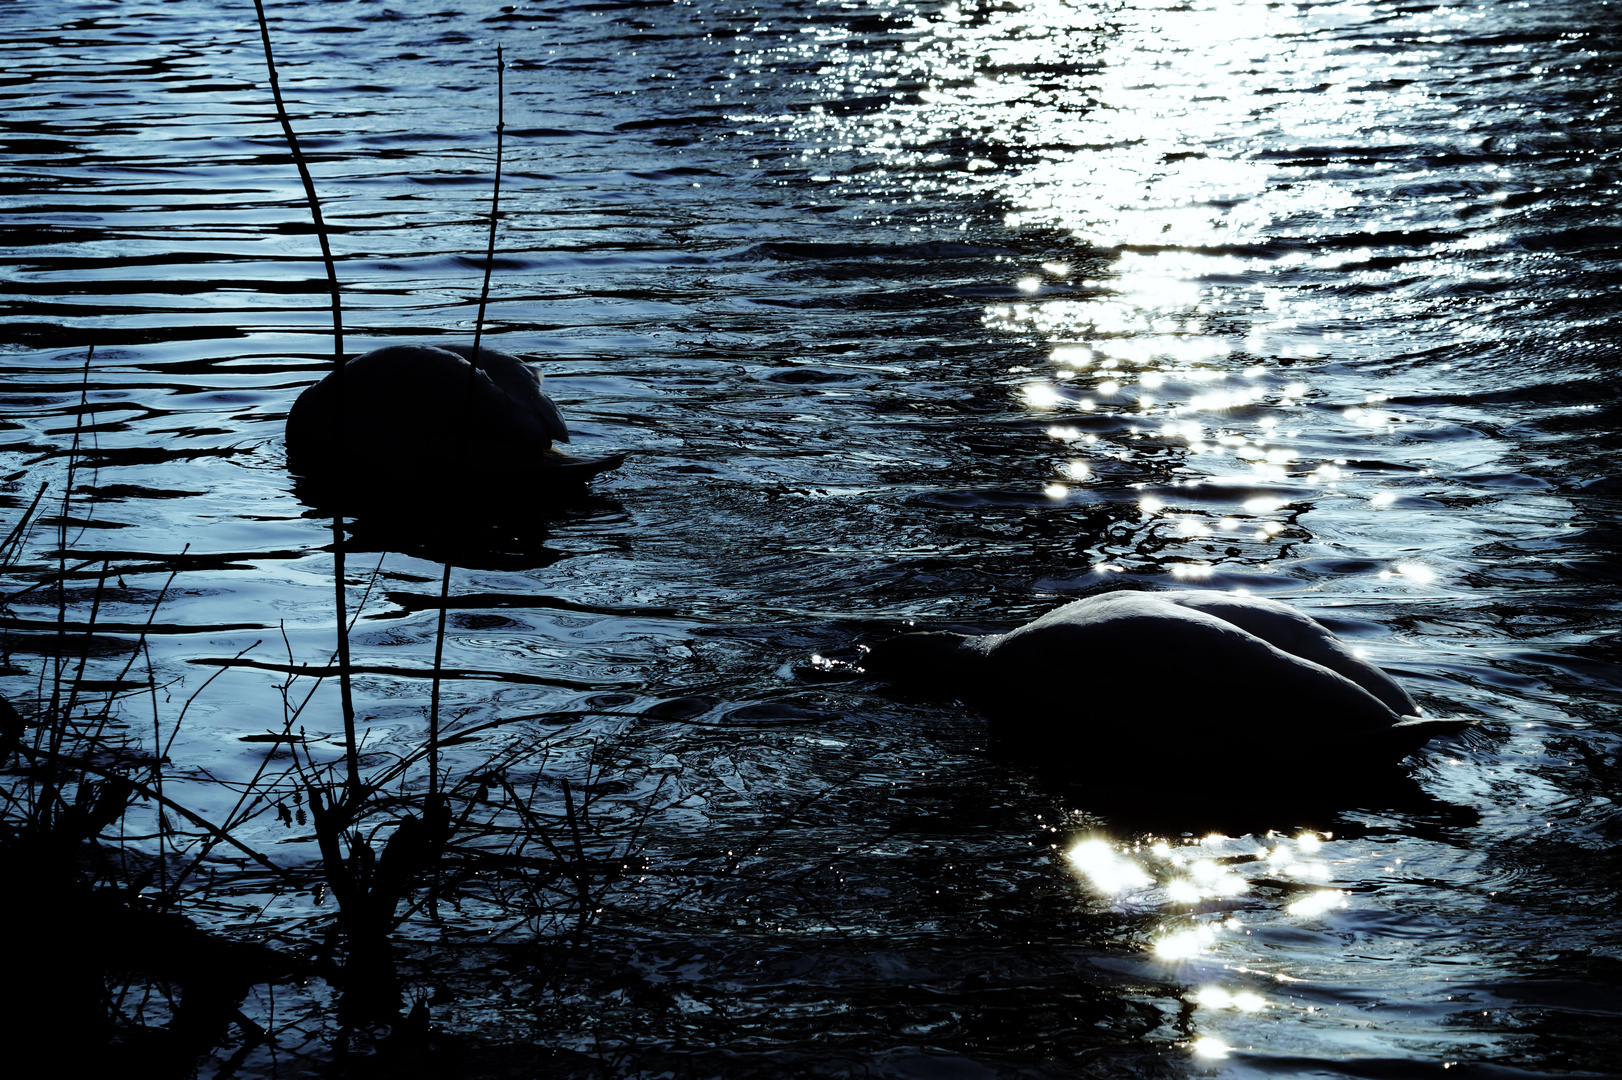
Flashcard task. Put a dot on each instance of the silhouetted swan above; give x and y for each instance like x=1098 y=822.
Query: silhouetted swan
x=1180 y=685
x=411 y=411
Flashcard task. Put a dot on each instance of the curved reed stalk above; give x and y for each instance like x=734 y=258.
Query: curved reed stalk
x=345 y=693
x=473 y=361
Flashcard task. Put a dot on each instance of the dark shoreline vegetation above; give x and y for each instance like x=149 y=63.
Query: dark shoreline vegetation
x=114 y=867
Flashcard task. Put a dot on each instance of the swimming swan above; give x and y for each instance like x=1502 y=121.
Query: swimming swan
x=1184 y=684
x=411 y=410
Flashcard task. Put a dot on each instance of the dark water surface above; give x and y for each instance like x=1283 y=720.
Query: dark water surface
x=925 y=312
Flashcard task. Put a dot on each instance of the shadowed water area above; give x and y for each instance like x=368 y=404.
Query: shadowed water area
x=908 y=314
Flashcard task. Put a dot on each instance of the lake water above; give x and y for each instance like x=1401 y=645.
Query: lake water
x=907 y=313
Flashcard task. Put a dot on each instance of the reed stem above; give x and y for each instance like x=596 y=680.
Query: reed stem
x=345 y=691
x=433 y=705
x=478 y=332
x=495 y=203
x=309 y=192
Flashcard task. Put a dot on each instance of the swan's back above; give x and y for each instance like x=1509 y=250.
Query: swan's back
x=522 y=384
x=411 y=409
x=1134 y=658
x=1300 y=635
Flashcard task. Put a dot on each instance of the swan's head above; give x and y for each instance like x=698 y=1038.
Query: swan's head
x=934 y=660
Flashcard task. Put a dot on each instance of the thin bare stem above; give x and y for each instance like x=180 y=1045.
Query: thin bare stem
x=87 y=640
x=140 y=642
x=193 y=696
x=19 y=531
x=495 y=204
x=10 y=552
x=59 y=663
x=157 y=766
x=478 y=332
x=309 y=191
x=433 y=706
x=584 y=891
x=345 y=693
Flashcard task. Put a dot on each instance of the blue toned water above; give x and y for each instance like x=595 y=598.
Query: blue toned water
x=907 y=313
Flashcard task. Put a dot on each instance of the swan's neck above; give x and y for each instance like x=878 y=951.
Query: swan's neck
x=931 y=661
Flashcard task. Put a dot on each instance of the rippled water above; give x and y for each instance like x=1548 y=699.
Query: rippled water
x=907 y=312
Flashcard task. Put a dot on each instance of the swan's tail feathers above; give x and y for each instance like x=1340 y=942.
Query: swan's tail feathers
x=555 y=468
x=1437 y=726
x=1409 y=735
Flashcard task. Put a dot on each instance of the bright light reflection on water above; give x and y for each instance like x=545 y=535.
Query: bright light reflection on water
x=1076 y=470
x=1224 y=873
x=1214 y=879
x=1042 y=396
x=1106 y=870
x=1167 y=180
x=1185 y=944
x=1317 y=903
x=1217 y=997
x=1418 y=573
